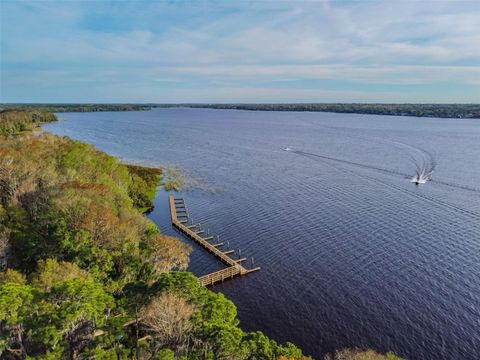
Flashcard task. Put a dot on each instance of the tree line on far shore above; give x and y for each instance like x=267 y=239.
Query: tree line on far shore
x=466 y=111
x=471 y=111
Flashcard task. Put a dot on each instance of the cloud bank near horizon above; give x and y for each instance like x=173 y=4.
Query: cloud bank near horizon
x=250 y=51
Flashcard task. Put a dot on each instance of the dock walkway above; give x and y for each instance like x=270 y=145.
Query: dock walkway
x=180 y=220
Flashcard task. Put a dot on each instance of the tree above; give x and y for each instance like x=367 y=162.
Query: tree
x=167 y=320
x=4 y=238
x=69 y=313
x=50 y=272
x=15 y=307
x=166 y=253
x=259 y=346
x=86 y=260
x=12 y=276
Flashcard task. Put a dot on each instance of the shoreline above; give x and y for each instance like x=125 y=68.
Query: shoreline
x=103 y=247
x=434 y=111
x=420 y=110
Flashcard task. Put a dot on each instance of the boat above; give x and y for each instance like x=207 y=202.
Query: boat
x=421 y=177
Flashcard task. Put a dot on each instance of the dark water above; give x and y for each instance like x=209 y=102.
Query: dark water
x=352 y=253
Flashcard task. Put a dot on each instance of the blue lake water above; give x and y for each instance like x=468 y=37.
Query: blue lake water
x=352 y=253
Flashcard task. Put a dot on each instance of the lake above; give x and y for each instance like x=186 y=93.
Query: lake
x=352 y=253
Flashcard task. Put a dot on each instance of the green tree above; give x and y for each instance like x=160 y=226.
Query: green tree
x=15 y=308
x=258 y=346
x=51 y=272
x=73 y=309
x=12 y=276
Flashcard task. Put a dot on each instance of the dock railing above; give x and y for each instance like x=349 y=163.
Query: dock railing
x=180 y=220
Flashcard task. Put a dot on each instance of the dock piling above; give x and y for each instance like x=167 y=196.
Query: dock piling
x=193 y=232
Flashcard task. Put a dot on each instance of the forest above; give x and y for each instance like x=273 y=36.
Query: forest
x=467 y=111
x=15 y=121
x=85 y=275
x=59 y=108
x=470 y=111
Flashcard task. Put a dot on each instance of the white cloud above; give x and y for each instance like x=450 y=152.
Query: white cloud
x=244 y=45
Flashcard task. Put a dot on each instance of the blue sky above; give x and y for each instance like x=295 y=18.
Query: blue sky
x=240 y=51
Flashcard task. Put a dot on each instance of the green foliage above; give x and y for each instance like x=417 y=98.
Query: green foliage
x=289 y=351
x=53 y=319
x=215 y=323
x=50 y=272
x=67 y=307
x=143 y=188
x=12 y=276
x=173 y=179
x=88 y=276
x=15 y=301
x=71 y=227
x=63 y=199
x=165 y=354
x=79 y=299
x=79 y=107
x=14 y=121
x=471 y=111
x=259 y=346
x=182 y=283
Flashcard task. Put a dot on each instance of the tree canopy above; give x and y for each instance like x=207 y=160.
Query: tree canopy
x=83 y=274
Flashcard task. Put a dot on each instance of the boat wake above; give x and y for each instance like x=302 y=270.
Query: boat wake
x=421 y=176
x=347 y=162
x=424 y=163
x=424 y=169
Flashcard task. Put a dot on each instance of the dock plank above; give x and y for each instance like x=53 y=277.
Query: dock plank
x=234 y=267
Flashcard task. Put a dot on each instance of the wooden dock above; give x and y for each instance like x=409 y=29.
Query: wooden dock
x=179 y=214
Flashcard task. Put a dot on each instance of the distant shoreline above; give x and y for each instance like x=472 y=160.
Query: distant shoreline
x=455 y=111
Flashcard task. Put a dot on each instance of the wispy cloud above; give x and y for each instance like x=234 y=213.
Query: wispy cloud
x=245 y=51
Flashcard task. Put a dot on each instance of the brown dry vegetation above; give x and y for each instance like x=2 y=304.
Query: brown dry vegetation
x=356 y=354
x=52 y=184
x=167 y=320
x=84 y=275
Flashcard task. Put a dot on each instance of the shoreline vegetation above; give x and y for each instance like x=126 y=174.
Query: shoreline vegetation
x=143 y=190
x=16 y=121
x=59 y=108
x=173 y=178
x=469 y=111
x=83 y=274
x=460 y=111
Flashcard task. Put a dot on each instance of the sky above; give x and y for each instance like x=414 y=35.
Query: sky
x=393 y=51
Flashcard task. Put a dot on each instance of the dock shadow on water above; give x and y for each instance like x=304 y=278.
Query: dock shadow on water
x=182 y=221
